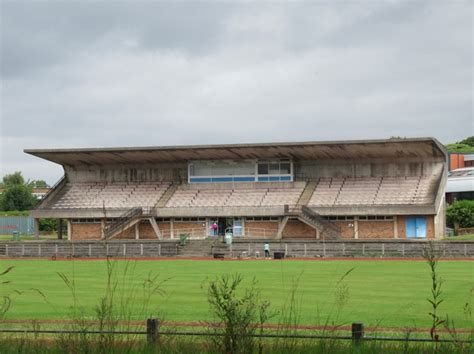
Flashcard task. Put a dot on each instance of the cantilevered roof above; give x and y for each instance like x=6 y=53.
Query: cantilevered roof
x=358 y=149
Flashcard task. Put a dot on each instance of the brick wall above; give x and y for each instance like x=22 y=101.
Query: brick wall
x=85 y=231
x=298 y=229
x=165 y=229
x=196 y=229
x=375 y=229
x=346 y=231
x=260 y=229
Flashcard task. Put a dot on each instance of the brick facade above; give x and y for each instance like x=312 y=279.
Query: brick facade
x=261 y=229
x=86 y=231
x=298 y=229
x=375 y=229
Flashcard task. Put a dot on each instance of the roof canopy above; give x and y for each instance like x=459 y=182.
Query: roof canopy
x=359 y=149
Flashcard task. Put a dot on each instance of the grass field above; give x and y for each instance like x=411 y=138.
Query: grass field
x=377 y=293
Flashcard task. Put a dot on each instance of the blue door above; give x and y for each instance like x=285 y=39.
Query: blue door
x=415 y=227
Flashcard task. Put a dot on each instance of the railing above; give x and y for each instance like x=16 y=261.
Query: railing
x=122 y=221
x=153 y=333
x=310 y=213
x=51 y=190
x=260 y=232
x=191 y=232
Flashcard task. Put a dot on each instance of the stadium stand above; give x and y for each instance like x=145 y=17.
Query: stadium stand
x=379 y=189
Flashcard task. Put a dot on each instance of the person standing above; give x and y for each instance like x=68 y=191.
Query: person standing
x=214 y=228
x=266 y=249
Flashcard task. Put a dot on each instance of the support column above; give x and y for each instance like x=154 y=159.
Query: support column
x=60 y=229
x=69 y=230
x=356 y=227
x=395 y=227
x=103 y=223
x=281 y=227
x=318 y=234
x=171 y=228
x=137 y=231
x=36 y=222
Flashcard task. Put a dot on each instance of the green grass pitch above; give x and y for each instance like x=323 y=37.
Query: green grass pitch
x=377 y=293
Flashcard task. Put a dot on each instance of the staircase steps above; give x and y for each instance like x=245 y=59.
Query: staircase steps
x=307 y=193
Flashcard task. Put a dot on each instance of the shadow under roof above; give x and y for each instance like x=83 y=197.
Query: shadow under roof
x=418 y=148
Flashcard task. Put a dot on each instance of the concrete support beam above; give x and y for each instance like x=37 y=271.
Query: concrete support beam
x=69 y=229
x=172 y=228
x=156 y=228
x=395 y=227
x=60 y=229
x=318 y=234
x=281 y=227
x=137 y=231
x=37 y=228
x=103 y=224
x=356 y=228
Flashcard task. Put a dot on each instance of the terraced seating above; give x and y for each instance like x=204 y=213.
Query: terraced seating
x=112 y=195
x=262 y=195
x=374 y=191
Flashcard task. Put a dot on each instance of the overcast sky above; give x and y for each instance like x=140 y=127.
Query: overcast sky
x=106 y=73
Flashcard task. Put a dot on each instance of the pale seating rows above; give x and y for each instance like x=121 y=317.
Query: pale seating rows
x=255 y=197
x=110 y=195
x=374 y=191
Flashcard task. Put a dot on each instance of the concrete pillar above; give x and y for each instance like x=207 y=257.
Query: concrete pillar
x=36 y=222
x=395 y=227
x=103 y=223
x=69 y=229
x=137 y=231
x=60 y=229
x=172 y=228
x=356 y=227
x=318 y=234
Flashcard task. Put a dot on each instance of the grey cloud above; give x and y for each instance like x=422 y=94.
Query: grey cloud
x=90 y=74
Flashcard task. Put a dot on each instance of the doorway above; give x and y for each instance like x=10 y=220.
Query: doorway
x=415 y=227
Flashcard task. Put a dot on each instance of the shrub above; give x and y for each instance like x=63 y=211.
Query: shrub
x=461 y=213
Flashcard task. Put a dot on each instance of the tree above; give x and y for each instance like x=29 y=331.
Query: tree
x=17 y=197
x=460 y=213
x=468 y=141
x=39 y=183
x=13 y=179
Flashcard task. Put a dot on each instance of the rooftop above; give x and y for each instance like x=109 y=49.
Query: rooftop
x=325 y=150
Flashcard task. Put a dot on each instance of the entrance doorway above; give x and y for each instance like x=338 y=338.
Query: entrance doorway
x=226 y=225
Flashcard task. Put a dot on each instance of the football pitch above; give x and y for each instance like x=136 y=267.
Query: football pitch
x=381 y=293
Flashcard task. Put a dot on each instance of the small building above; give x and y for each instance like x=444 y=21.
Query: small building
x=460 y=185
x=384 y=189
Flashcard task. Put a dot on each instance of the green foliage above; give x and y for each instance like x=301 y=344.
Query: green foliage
x=17 y=197
x=460 y=148
x=39 y=183
x=460 y=212
x=14 y=213
x=48 y=224
x=13 y=179
x=468 y=141
x=236 y=314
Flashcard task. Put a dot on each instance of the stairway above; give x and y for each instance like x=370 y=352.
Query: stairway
x=307 y=193
x=312 y=218
x=125 y=221
x=202 y=248
x=166 y=196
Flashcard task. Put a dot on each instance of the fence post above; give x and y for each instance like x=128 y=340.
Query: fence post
x=152 y=325
x=357 y=333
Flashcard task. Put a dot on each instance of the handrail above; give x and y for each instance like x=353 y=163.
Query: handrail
x=52 y=189
x=122 y=220
x=312 y=214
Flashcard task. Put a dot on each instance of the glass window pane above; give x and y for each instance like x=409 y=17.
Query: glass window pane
x=244 y=169
x=285 y=168
x=274 y=168
x=263 y=169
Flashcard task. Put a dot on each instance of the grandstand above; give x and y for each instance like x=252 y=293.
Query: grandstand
x=384 y=189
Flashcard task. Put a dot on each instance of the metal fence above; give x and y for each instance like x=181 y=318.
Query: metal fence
x=239 y=249
x=153 y=333
x=24 y=225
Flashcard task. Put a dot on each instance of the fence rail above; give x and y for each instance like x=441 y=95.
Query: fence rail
x=252 y=248
x=153 y=333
